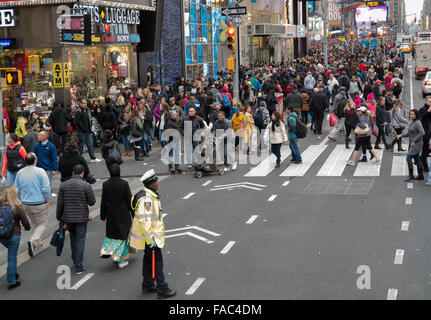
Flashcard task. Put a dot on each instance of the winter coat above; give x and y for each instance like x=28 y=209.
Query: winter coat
x=105 y=152
x=415 y=133
x=46 y=156
x=30 y=141
x=58 y=120
x=115 y=208
x=399 y=118
x=108 y=120
x=82 y=120
x=20 y=127
x=67 y=162
x=279 y=134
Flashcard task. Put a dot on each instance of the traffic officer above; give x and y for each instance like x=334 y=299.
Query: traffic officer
x=148 y=233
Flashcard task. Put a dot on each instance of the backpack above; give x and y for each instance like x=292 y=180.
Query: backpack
x=301 y=129
x=6 y=221
x=225 y=101
x=135 y=131
x=114 y=155
x=258 y=119
x=15 y=161
x=339 y=111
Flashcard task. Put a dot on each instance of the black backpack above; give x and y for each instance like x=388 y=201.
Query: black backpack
x=7 y=225
x=258 y=119
x=339 y=111
x=301 y=129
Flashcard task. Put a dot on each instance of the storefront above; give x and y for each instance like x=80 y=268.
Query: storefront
x=65 y=58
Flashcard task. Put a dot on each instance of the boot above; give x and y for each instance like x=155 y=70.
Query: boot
x=364 y=159
x=399 y=146
x=420 y=171
x=347 y=143
x=410 y=177
x=277 y=164
x=426 y=167
x=138 y=155
x=377 y=147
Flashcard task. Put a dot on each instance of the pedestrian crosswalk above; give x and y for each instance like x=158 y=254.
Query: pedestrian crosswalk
x=332 y=163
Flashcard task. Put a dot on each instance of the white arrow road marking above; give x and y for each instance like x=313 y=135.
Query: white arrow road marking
x=410 y=185
x=191 y=234
x=247 y=185
x=195 y=228
x=271 y=198
x=251 y=220
x=392 y=294
x=241 y=183
x=195 y=286
x=286 y=183
x=233 y=187
x=399 y=255
x=227 y=247
x=82 y=281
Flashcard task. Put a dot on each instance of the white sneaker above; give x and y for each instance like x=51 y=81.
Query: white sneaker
x=95 y=160
x=234 y=166
x=53 y=194
x=122 y=265
x=226 y=169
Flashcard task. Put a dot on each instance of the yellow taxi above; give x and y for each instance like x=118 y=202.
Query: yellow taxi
x=406 y=48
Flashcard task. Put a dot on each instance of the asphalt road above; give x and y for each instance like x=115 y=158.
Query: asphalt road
x=303 y=235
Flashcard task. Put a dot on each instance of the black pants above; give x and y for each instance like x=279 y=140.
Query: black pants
x=381 y=135
x=304 y=116
x=425 y=151
x=398 y=131
x=275 y=149
x=147 y=269
x=319 y=120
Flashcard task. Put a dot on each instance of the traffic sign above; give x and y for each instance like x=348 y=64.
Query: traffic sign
x=13 y=78
x=236 y=11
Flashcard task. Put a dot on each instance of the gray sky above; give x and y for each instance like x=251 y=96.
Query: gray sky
x=413 y=6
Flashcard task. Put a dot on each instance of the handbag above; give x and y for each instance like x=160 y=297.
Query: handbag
x=358 y=130
x=332 y=120
x=57 y=239
x=115 y=156
x=90 y=178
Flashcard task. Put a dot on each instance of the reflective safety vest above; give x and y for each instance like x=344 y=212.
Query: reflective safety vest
x=148 y=225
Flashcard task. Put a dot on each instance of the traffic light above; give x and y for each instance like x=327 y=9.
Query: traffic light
x=415 y=19
x=231 y=63
x=231 y=32
x=351 y=34
x=13 y=77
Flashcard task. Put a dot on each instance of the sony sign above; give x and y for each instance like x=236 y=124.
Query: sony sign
x=6 y=18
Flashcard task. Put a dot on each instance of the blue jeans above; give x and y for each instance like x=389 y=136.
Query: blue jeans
x=10 y=177
x=49 y=174
x=78 y=231
x=12 y=245
x=126 y=141
x=85 y=138
x=415 y=157
x=174 y=159
x=388 y=120
x=162 y=143
x=146 y=141
x=293 y=144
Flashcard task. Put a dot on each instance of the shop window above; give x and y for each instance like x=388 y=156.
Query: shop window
x=188 y=54
x=204 y=34
x=193 y=13
x=204 y=15
x=198 y=14
x=187 y=33
x=193 y=33
x=199 y=33
x=200 y=56
x=194 y=54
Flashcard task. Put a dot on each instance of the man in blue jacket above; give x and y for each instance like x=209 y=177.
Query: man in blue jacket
x=46 y=155
x=293 y=139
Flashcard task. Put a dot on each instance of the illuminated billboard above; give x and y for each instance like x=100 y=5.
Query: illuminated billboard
x=371 y=14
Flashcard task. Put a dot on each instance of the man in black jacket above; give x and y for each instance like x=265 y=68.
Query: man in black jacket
x=425 y=113
x=58 y=119
x=319 y=103
x=83 y=127
x=197 y=123
x=74 y=197
x=294 y=100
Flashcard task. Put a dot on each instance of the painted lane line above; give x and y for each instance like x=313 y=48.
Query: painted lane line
x=268 y=165
x=369 y=169
x=410 y=185
x=309 y=156
x=405 y=226
x=286 y=183
x=271 y=198
x=392 y=294
x=399 y=168
x=399 y=255
x=251 y=220
x=195 y=228
x=82 y=281
x=188 y=196
x=229 y=245
x=336 y=162
x=195 y=286
x=207 y=183
x=408 y=201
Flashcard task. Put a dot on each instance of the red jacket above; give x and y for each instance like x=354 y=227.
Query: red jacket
x=225 y=91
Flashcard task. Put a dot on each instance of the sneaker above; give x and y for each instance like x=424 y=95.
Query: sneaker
x=350 y=163
x=377 y=162
x=53 y=194
x=189 y=166
x=226 y=169
x=234 y=166
x=95 y=160
x=79 y=270
x=123 y=264
x=30 y=248
x=13 y=286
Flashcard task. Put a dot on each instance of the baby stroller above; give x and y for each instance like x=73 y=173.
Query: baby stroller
x=206 y=167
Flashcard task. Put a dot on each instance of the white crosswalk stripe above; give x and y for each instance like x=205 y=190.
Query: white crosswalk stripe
x=369 y=169
x=308 y=157
x=335 y=163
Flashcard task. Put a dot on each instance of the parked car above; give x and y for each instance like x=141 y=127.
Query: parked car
x=426 y=85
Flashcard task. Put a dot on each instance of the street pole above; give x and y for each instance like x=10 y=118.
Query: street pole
x=236 y=73
x=325 y=31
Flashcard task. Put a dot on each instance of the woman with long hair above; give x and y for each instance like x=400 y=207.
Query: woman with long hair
x=14 y=157
x=351 y=119
x=9 y=201
x=164 y=112
x=249 y=127
x=399 y=122
x=278 y=136
x=415 y=133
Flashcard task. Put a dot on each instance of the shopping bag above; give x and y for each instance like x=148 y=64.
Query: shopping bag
x=253 y=142
x=332 y=120
x=57 y=240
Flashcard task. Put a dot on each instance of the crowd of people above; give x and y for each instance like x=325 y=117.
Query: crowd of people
x=358 y=91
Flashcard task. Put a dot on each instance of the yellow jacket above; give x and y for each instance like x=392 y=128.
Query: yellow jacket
x=248 y=126
x=20 y=127
x=148 y=225
x=237 y=119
